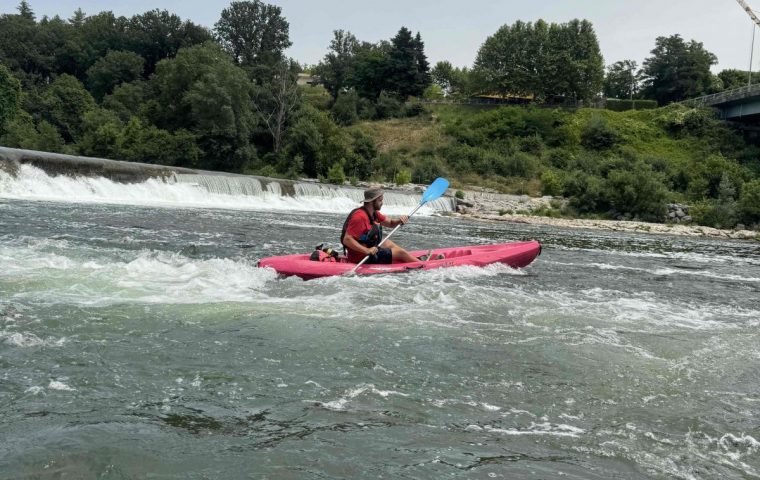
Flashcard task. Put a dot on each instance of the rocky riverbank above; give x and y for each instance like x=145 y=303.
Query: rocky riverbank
x=617 y=225
x=487 y=205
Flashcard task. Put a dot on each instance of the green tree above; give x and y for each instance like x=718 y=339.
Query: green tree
x=100 y=34
x=506 y=63
x=336 y=69
x=637 y=192
x=622 y=80
x=158 y=34
x=408 y=68
x=202 y=91
x=10 y=95
x=255 y=34
x=749 y=203
x=344 y=110
x=677 y=70
x=371 y=70
x=112 y=70
x=732 y=78
x=276 y=101
x=443 y=76
x=573 y=61
x=127 y=99
x=65 y=102
x=542 y=60
x=336 y=174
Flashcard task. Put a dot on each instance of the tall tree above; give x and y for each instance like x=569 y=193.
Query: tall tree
x=113 y=69
x=542 y=60
x=622 y=80
x=408 y=69
x=10 y=95
x=158 y=34
x=732 y=78
x=677 y=70
x=276 y=101
x=443 y=75
x=337 y=67
x=371 y=70
x=255 y=34
x=65 y=103
x=201 y=90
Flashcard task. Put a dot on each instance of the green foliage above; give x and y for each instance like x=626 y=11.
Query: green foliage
x=749 y=203
x=459 y=194
x=203 y=92
x=336 y=70
x=10 y=95
x=126 y=99
x=622 y=80
x=21 y=132
x=335 y=174
x=433 y=92
x=732 y=78
x=427 y=170
x=113 y=69
x=637 y=192
x=255 y=34
x=677 y=70
x=542 y=59
x=343 y=110
x=551 y=183
x=65 y=102
x=408 y=69
x=617 y=105
x=403 y=177
x=598 y=135
x=388 y=106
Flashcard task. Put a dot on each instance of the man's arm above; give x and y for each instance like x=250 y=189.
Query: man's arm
x=395 y=222
x=354 y=244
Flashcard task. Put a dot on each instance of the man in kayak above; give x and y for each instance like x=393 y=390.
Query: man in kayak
x=362 y=233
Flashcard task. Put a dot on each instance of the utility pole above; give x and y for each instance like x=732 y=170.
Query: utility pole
x=755 y=19
x=751 y=52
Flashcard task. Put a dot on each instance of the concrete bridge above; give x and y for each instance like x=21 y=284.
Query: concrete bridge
x=738 y=105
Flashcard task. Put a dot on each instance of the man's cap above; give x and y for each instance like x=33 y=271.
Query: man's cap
x=371 y=194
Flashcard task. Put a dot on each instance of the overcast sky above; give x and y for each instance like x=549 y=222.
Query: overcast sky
x=454 y=30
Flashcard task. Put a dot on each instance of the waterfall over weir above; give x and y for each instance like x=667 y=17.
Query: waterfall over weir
x=63 y=178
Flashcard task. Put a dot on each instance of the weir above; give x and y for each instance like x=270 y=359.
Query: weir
x=33 y=175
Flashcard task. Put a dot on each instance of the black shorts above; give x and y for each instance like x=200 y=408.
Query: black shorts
x=383 y=255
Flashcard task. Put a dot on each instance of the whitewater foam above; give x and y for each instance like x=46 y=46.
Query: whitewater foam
x=198 y=191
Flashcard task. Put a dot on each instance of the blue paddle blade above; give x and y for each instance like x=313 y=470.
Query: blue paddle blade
x=435 y=190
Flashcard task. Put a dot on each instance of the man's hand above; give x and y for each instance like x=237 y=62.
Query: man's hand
x=403 y=219
x=372 y=251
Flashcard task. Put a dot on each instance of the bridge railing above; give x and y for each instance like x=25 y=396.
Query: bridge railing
x=725 y=96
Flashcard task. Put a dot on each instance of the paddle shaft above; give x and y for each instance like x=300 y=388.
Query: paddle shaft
x=384 y=239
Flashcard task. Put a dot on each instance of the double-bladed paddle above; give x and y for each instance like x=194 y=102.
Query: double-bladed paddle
x=435 y=190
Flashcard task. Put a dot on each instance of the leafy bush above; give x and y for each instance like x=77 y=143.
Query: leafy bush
x=343 y=110
x=336 y=174
x=638 y=193
x=619 y=105
x=598 y=135
x=403 y=177
x=427 y=170
x=414 y=108
x=560 y=158
x=388 y=106
x=520 y=164
x=749 y=203
x=459 y=194
x=551 y=183
x=586 y=192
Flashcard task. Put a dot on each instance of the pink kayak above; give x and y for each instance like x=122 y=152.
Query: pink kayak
x=516 y=255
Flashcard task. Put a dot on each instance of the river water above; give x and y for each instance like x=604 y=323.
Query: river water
x=143 y=342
